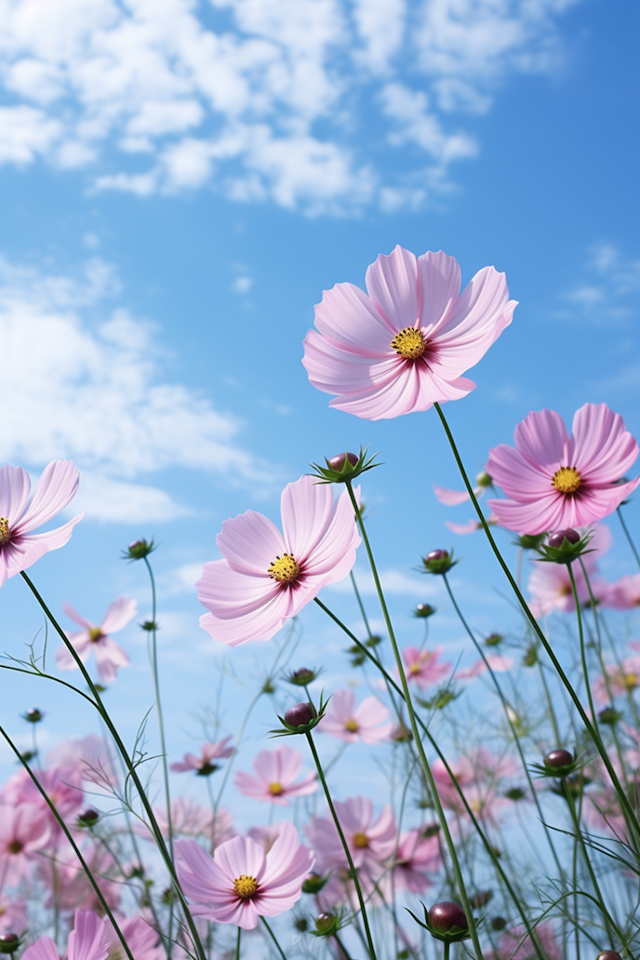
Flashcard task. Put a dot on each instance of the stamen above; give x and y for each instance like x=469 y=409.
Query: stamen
x=5 y=533
x=352 y=726
x=275 y=789
x=410 y=343
x=360 y=840
x=284 y=569
x=245 y=886
x=95 y=634
x=566 y=480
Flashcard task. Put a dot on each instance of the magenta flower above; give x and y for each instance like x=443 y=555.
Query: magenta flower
x=109 y=656
x=423 y=668
x=89 y=940
x=277 y=770
x=405 y=346
x=554 y=481
x=515 y=943
x=415 y=857
x=241 y=883
x=268 y=576
x=367 y=722
x=24 y=830
x=369 y=843
x=19 y=548
x=204 y=764
x=63 y=786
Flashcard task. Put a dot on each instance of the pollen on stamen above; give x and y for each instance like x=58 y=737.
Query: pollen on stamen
x=410 y=343
x=245 y=886
x=5 y=533
x=360 y=840
x=352 y=726
x=566 y=480
x=95 y=634
x=275 y=789
x=284 y=569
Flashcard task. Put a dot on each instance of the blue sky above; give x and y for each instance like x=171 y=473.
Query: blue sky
x=179 y=183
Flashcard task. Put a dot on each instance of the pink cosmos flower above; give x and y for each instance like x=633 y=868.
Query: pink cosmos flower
x=89 y=940
x=62 y=785
x=268 y=576
x=203 y=765
x=241 y=883
x=109 y=656
x=369 y=843
x=24 y=830
x=550 y=583
x=554 y=481
x=191 y=819
x=480 y=775
x=471 y=526
x=367 y=722
x=624 y=594
x=13 y=914
x=69 y=888
x=142 y=939
x=415 y=857
x=19 y=549
x=277 y=769
x=496 y=662
x=89 y=755
x=423 y=668
x=621 y=679
x=405 y=346
x=515 y=944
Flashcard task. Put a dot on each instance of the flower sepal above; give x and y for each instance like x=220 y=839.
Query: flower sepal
x=564 y=546
x=301 y=718
x=328 y=924
x=451 y=933
x=344 y=467
x=438 y=562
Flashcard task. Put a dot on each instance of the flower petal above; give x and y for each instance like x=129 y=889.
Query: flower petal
x=439 y=280
x=14 y=492
x=392 y=283
x=119 y=614
x=56 y=488
x=250 y=543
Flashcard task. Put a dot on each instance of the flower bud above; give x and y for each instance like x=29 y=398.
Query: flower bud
x=314 y=883
x=9 y=942
x=494 y=639
x=139 y=549
x=557 y=539
x=609 y=955
x=445 y=916
x=438 y=561
x=327 y=924
x=610 y=716
x=424 y=610
x=337 y=462
x=33 y=715
x=301 y=924
x=498 y=923
x=300 y=714
x=483 y=479
x=558 y=759
x=88 y=817
x=302 y=677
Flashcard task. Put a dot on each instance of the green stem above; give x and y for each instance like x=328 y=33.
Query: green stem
x=414 y=729
x=583 y=652
x=67 y=833
x=345 y=846
x=345 y=953
x=628 y=535
x=131 y=767
x=273 y=938
x=447 y=947
x=632 y=818
x=238 y=943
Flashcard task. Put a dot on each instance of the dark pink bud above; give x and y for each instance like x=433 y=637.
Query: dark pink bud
x=557 y=539
x=609 y=955
x=337 y=462
x=557 y=759
x=445 y=915
x=300 y=714
x=437 y=555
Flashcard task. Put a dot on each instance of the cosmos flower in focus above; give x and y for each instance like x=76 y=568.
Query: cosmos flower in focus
x=19 y=548
x=267 y=576
x=89 y=940
x=276 y=773
x=405 y=345
x=553 y=481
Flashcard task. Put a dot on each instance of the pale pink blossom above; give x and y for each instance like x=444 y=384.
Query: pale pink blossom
x=109 y=656
x=90 y=756
x=553 y=481
x=241 y=883
x=277 y=770
x=423 y=667
x=190 y=819
x=405 y=345
x=266 y=834
x=621 y=678
x=209 y=752
x=495 y=662
x=13 y=914
x=267 y=576
x=416 y=856
x=624 y=594
x=480 y=774
x=369 y=843
x=471 y=526
x=24 y=830
x=19 y=548
x=366 y=722
x=69 y=888
x=63 y=787
x=515 y=943
x=89 y=940
x=143 y=941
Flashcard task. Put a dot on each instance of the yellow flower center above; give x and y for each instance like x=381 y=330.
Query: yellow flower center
x=284 y=569
x=631 y=681
x=410 y=343
x=245 y=886
x=95 y=634
x=352 y=726
x=5 y=533
x=566 y=480
x=415 y=668
x=360 y=840
x=275 y=789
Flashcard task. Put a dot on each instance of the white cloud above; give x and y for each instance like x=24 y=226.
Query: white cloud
x=607 y=291
x=96 y=393
x=263 y=99
x=393 y=582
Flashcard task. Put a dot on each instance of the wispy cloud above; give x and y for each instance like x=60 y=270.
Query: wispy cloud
x=97 y=393
x=607 y=291
x=285 y=101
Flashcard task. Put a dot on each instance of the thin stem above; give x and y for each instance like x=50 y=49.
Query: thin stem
x=131 y=767
x=345 y=845
x=628 y=535
x=238 y=943
x=68 y=835
x=345 y=952
x=447 y=947
x=273 y=937
x=583 y=652
x=414 y=729
x=632 y=818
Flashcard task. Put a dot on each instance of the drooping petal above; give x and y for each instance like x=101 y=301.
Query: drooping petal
x=262 y=624
x=76 y=617
x=450 y=498
x=119 y=614
x=56 y=488
x=54 y=539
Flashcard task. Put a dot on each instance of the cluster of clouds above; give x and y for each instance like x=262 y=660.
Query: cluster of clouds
x=96 y=391
x=322 y=105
